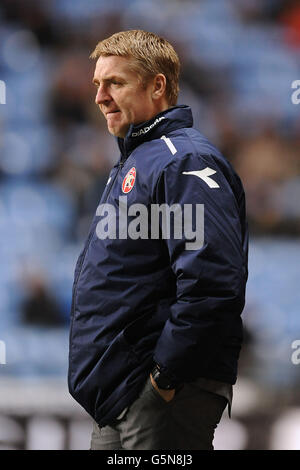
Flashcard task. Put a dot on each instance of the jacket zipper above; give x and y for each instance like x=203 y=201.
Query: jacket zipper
x=120 y=166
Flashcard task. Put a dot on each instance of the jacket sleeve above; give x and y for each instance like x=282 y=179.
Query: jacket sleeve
x=210 y=272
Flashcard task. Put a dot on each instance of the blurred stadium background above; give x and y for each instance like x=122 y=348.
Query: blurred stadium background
x=239 y=59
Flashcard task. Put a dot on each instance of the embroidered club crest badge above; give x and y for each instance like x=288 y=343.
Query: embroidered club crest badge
x=129 y=180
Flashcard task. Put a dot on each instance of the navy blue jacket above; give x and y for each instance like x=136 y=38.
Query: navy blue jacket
x=145 y=300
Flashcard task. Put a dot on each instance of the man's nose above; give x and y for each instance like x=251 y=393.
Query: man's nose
x=102 y=96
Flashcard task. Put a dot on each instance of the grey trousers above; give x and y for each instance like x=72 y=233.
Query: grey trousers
x=187 y=422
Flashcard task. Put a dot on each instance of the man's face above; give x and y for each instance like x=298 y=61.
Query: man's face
x=120 y=95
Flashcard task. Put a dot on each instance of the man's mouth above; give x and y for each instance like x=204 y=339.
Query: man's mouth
x=112 y=112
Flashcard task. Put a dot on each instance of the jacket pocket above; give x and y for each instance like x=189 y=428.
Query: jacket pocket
x=143 y=333
x=137 y=328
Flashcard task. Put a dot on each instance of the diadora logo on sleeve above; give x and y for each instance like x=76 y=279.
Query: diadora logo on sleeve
x=148 y=128
x=129 y=180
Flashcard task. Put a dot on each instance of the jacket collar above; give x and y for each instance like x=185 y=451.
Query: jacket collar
x=167 y=121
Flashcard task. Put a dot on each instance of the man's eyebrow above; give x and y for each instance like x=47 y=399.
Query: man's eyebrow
x=108 y=79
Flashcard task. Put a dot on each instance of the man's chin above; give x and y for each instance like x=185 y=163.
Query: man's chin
x=117 y=132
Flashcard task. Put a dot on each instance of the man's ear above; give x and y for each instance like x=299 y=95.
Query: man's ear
x=159 y=86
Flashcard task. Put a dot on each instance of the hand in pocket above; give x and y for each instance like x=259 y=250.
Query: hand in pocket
x=167 y=395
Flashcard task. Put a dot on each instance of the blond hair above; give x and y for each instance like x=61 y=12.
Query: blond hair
x=151 y=55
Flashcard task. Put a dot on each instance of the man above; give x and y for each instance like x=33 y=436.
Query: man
x=156 y=313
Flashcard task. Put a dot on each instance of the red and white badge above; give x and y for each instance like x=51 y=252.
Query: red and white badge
x=129 y=180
